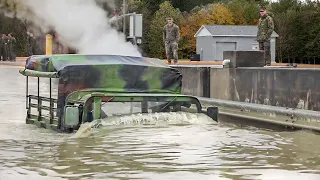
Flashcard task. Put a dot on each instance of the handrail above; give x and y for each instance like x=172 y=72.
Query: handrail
x=43 y=98
x=33 y=73
x=41 y=107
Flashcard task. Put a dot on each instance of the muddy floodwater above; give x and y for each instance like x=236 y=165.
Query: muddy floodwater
x=189 y=151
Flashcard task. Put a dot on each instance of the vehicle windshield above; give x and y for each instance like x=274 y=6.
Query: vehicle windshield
x=109 y=109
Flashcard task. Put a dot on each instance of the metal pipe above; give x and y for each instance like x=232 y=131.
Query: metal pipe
x=49 y=44
x=307 y=114
x=39 y=109
x=27 y=91
x=269 y=121
x=51 y=118
x=128 y=14
x=124 y=7
x=134 y=28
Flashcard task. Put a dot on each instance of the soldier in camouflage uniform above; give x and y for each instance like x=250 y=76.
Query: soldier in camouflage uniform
x=116 y=21
x=31 y=42
x=11 y=47
x=171 y=36
x=265 y=29
x=4 y=47
x=1 y=48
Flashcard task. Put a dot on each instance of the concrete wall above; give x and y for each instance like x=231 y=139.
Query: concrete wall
x=207 y=46
x=194 y=79
x=286 y=87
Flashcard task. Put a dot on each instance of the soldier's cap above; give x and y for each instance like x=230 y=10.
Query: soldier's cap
x=262 y=9
x=169 y=18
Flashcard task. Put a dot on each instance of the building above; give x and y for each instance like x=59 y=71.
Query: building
x=212 y=40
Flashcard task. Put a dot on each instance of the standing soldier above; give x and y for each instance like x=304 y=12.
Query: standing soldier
x=31 y=42
x=1 y=48
x=116 y=21
x=4 y=47
x=171 y=36
x=11 y=47
x=265 y=29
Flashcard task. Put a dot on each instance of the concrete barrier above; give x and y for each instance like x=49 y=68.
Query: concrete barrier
x=195 y=80
x=297 y=88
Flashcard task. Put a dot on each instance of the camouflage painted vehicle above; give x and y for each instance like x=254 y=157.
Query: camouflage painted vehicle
x=86 y=83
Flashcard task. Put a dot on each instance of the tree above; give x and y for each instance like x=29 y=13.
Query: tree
x=211 y=14
x=220 y=14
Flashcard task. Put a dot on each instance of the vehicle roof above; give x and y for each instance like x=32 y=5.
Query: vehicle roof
x=57 y=62
x=109 y=72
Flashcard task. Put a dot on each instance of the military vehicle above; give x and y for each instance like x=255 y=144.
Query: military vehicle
x=86 y=83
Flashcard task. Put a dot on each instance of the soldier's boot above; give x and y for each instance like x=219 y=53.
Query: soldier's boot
x=13 y=56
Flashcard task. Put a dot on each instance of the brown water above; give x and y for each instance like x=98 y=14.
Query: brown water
x=195 y=151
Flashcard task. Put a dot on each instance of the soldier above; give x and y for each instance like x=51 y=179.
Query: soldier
x=31 y=42
x=1 y=48
x=11 y=47
x=116 y=21
x=265 y=29
x=4 y=47
x=171 y=36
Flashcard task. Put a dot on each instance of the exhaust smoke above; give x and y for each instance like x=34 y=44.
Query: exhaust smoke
x=81 y=24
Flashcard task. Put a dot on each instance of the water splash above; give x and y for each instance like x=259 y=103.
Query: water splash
x=171 y=118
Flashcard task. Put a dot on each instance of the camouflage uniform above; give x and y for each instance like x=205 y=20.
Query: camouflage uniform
x=265 y=29
x=11 y=48
x=31 y=42
x=171 y=36
x=4 y=47
x=116 y=22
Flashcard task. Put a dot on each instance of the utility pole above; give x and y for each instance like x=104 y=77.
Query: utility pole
x=124 y=10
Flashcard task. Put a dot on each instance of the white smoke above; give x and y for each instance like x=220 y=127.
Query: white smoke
x=81 y=24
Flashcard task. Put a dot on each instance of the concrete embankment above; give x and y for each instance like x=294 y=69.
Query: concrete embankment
x=284 y=96
x=297 y=88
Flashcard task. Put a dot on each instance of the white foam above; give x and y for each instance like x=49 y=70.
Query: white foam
x=170 y=118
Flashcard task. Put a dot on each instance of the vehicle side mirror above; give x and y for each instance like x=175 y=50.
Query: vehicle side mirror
x=213 y=112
